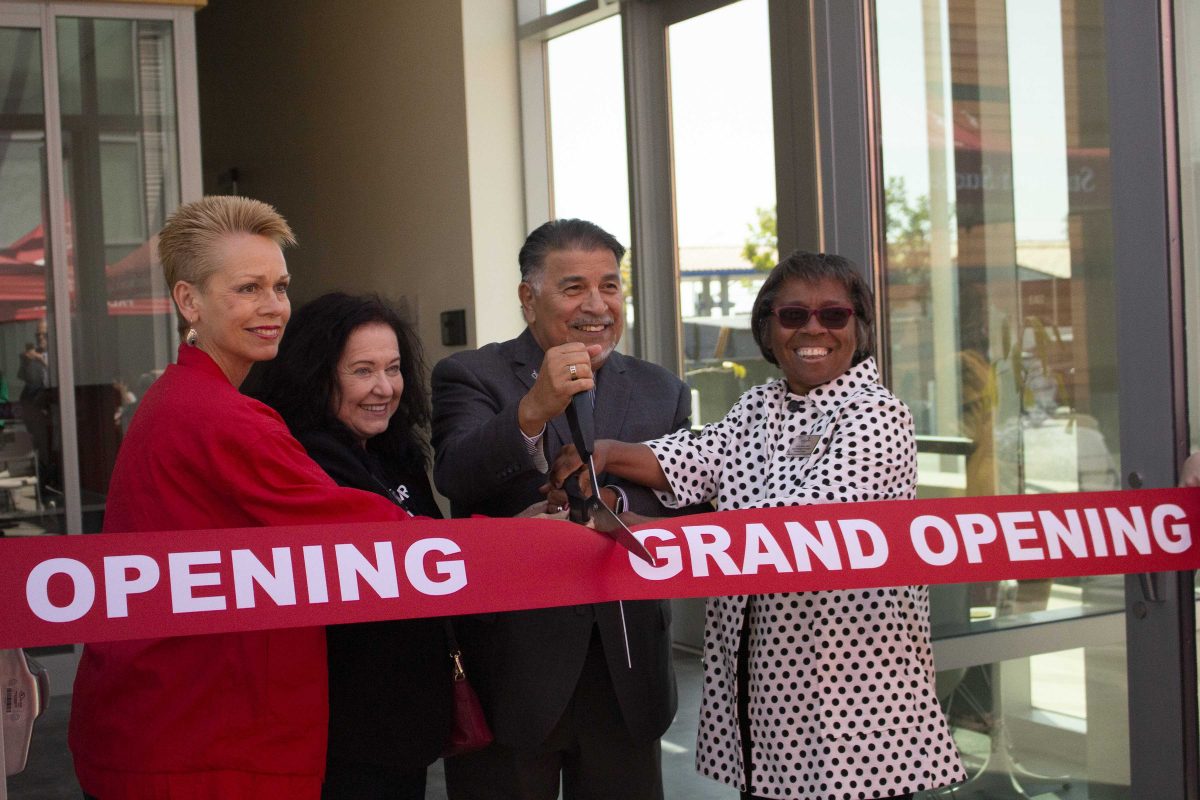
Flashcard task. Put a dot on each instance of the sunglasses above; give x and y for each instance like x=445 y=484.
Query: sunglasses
x=833 y=318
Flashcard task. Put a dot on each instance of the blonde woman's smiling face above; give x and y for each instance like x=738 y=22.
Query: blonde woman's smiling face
x=241 y=310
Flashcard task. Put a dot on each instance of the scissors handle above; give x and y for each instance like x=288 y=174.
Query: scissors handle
x=579 y=508
x=581 y=418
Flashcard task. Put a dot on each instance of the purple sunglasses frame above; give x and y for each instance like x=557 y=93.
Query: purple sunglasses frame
x=819 y=313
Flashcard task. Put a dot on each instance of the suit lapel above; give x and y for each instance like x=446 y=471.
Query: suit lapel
x=613 y=391
x=562 y=430
x=525 y=359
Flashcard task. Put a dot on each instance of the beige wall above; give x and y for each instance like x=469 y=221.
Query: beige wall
x=352 y=119
x=494 y=160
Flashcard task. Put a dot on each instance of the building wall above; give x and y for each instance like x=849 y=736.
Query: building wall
x=353 y=120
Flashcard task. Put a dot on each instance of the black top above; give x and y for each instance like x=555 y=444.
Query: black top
x=390 y=701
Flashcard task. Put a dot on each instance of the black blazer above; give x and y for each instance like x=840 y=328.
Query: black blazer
x=390 y=699
x=525 y=664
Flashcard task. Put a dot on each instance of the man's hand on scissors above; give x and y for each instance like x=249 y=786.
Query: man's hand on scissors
x=566 y=371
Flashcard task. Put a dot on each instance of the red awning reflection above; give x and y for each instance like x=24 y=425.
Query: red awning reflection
x=135 y=285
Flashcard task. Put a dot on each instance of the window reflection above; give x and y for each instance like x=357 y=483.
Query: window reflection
x=1187 y=25
x=588 y=156
x=998 y=283
x=120 y=154
x=724 y=171
x=998 y=237
x=30 y=446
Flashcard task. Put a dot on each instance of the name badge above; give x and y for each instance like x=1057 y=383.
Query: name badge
x=804 y=445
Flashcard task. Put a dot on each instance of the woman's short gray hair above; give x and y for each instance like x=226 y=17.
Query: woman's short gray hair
x=810 y=268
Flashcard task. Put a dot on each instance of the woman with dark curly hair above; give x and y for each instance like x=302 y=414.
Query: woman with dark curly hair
x=349 y=382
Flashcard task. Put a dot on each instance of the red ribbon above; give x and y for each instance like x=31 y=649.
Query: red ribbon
x=63 y=589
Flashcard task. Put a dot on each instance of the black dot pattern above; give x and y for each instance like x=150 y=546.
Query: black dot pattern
x=842 y=704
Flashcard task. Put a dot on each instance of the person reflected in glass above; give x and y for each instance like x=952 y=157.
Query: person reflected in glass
x=35 y=400
x=229 y=715
x=349 y=381
x=816 y=695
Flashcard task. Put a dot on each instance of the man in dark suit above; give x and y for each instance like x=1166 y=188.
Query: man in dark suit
x=559 y=694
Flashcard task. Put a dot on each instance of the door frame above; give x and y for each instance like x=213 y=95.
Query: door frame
x=42 y=16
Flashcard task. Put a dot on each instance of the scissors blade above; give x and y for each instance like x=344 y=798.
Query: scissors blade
x=618 y=531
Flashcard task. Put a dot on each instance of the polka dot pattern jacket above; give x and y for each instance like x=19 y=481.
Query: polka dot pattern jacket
x=842 y=703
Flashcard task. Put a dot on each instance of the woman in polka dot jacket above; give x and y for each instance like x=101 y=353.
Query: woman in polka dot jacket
x=814 y=695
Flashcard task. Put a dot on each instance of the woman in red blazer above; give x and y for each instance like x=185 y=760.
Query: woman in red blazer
x=236 y=715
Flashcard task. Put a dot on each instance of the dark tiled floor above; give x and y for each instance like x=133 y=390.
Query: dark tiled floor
x=48 y=775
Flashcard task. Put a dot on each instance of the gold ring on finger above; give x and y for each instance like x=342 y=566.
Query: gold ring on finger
x=574 y=372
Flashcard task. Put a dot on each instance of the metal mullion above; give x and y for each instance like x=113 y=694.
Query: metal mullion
x=20 y=15
x=839 y=37
x=535 y=132
x=651 y=187
x=1159 y=621
x=113 y=11
x=876 y=218
x=991 y=647
x=22 y=122
x=568 y=19
x=187 y=110
x=61 y=667
x=56 y=190
x=797 y=145
x=110 y=123
x=17 y=17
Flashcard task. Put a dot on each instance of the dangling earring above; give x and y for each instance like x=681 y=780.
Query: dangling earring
x=192 y=337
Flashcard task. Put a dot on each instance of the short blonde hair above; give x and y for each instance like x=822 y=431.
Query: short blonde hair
x=185 y=242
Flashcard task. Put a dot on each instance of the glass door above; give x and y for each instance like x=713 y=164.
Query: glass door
x=120 y=139
x=1002 y=169
x=723 y=165
x=31 y=457
x=1007 y=331
x=92 y=160
x=98 y=144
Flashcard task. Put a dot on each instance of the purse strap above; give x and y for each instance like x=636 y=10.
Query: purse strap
x=455 y=650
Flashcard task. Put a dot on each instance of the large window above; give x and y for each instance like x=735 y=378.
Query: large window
x=121 y=163
x=588 y=165
x=977 y=159
x=999 y=290
x=723 y=162
x=31 y=498
x=98 y=144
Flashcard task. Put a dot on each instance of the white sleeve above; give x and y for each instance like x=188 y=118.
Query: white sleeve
x=533 y=446
x=693 y=461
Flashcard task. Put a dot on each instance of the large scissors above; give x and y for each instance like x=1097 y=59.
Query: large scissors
x=582 y=422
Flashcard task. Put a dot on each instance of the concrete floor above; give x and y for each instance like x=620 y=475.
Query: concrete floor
x=49 y=776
